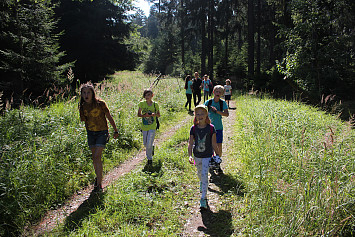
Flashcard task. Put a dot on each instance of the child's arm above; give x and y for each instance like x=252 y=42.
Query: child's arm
x=157 y=114
x=189 y=149
x=112 y=122
x=214 y=145
x=82 y=116
x=224 y=113
x=142 y=115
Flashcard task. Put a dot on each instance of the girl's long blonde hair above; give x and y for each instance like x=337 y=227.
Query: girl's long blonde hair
x=208 y=120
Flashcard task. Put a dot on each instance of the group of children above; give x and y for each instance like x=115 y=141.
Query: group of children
x=194 y=86
x=206 y=135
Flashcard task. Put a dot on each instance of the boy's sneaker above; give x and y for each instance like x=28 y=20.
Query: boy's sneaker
x=150 y=162
x=203 y=203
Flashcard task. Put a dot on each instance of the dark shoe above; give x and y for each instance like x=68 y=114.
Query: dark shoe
x=150 y=162
x=97 y=189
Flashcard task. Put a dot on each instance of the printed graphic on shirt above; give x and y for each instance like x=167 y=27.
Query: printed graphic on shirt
x=201 y=147
x=94 y=116
x=227 y=89
x=147 y=120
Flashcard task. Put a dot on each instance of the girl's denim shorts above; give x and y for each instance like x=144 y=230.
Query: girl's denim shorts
x=97 y=139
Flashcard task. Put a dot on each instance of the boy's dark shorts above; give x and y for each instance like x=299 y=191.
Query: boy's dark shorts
x=227 y=97
x=219 y=136
x=97 y=139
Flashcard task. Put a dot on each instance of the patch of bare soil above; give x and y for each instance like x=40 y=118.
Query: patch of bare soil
x=201 y=222
x=54 y=217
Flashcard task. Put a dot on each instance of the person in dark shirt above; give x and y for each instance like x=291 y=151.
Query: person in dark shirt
x=196 y=89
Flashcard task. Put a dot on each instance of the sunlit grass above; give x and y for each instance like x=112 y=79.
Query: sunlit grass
x=44 y=153
x=290 y=171
x=297 y=165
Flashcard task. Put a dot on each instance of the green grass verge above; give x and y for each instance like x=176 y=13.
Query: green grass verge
x=297 y=165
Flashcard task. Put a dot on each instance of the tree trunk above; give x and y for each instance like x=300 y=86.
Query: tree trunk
x=226 y=37
x=203 y=37
x=250 y=39
x=19 y=81
x=258 y=53
x=182 y=31
x=210 y=38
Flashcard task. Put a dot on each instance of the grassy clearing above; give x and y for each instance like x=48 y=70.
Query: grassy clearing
x=297 y=165
x=147 y=201
x=291 y=172
x=44 y=153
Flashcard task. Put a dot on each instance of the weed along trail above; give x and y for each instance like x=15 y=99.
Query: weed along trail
x=216 y=221
x=55 y=217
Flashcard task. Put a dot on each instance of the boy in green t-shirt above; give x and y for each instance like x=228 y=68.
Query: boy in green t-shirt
x=149 y=112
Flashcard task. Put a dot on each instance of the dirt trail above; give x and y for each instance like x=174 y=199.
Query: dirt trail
x=198 y=223
x=57 y=216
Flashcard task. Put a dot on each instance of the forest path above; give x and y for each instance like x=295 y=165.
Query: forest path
x=203 y=222
x=57 y=216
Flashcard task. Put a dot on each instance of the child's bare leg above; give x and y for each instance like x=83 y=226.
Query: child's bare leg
x=219 y=145
x=96 y=158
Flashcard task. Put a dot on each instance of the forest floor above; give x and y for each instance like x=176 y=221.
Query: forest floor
x=57 y=216
x=200 y=221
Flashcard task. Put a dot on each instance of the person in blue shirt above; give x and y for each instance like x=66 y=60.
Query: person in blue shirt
x=206 y=87
x=216 y=109
x=188 y=88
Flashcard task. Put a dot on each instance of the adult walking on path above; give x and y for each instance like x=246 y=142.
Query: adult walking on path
x=196 y=89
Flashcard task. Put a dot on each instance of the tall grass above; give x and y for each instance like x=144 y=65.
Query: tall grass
x=44 y=153
x=298 y=167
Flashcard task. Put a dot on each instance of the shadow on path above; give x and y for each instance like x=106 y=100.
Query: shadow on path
x=216 y=224
x=154 y=168
x=226 y=183
x=90 y=206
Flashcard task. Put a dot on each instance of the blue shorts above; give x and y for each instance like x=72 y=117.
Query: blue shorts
x=219 y=136
x=97 y=139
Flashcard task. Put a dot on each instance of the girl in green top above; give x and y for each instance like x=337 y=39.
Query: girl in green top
x=148 y=110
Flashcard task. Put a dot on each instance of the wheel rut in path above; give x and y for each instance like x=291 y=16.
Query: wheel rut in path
x=54 y=217
x=197 y=224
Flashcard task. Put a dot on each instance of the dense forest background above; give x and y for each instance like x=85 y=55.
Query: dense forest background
x=286 y=47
